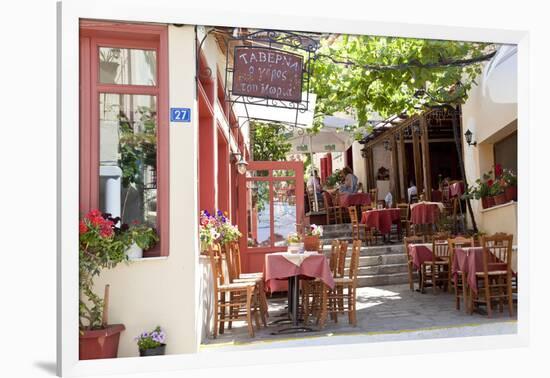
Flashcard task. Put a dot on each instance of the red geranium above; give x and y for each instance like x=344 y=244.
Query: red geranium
x=498 y=170
x=82 y=228
x=490 y=183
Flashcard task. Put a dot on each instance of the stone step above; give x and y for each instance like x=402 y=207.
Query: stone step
x=382 y=279
x=380 y=269
x=381 y=250
x=397 y=258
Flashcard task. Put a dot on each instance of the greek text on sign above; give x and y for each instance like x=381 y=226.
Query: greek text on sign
x=267 y=73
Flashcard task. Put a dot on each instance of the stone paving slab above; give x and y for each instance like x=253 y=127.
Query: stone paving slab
x=382 y=309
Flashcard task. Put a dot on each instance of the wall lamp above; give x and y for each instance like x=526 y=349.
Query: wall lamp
x=387 y=146
x=241 y=163
x=468 y=134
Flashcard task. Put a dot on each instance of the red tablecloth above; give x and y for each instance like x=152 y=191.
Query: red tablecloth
x=381 y=219
x=470 y=261
x=420 y=253
x=425 y=212
x=354 y=199
x=456 y=189
x=277 y=267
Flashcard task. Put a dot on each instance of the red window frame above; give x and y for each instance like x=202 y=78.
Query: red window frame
x=94 y=34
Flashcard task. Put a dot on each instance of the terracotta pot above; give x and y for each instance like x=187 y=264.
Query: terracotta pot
x=511 y=193
x=311 y=243
x=158 y=351
x=100 y=343
x=487 y=202
x=500 y=199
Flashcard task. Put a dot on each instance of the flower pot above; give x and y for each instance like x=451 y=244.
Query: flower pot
x=158 y=351
x=490 y=202
x=134 y=252
x=500 y=199
x=100 y=343
x=511 y=193
x=311 y=243
x=296 y=247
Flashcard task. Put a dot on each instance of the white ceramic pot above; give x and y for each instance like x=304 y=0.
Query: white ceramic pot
x=134 y=252
x=296 y=248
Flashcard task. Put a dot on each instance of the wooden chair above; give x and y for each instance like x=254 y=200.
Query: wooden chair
x=411 y=240
x=233 y=257
x=232 y=301
x=437 y=271
x=356 y=227
x=342 y=298
x=312 y=289
x=405 y=212
x=311 y=198
x=334 y=212
x=459 y=286
x=497 y=273
x=373 y=197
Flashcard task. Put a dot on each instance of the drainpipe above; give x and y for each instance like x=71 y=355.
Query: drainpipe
x=457 y=123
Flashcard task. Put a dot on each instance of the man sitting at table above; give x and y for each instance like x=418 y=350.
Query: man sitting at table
x=412 y=192
x=350 y=181
x=389 y=200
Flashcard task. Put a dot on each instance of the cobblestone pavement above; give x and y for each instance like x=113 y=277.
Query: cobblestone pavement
x=388 y=310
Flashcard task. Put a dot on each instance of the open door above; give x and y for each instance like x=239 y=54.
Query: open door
x=270 y=206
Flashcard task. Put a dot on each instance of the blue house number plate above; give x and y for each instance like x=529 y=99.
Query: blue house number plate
x=180 y=115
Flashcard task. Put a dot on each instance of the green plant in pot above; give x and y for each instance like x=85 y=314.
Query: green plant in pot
x=102 y=245
x=141 y=238
x=152 y=343
x=510 y=180
x=497 y=192
x=333 y=179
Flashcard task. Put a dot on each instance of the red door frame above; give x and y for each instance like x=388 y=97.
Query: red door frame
x=94 y=34
x=252 y=258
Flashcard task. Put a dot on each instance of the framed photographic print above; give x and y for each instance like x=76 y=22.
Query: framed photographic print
x=265 y=185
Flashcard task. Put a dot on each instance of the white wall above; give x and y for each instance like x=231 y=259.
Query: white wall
x=165 y=291
x=490 y=113
x=359 y=167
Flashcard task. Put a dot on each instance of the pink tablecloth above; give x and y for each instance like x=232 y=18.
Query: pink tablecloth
x=381 y=219
x=470 y=261
x=425 y=212
x=456 y=189
x=277 y=267
x=420 y=253
x=354 y=199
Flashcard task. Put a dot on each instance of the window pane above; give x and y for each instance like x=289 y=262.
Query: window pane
x=259 y=226
x=284 y=211
x=127 y=66
x=128 y=157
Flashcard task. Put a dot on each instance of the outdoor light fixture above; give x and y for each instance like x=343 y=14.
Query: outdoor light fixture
x=242 y=165
x=416 y=128
x=468 y=134
x=364 y=153
x=387 y=146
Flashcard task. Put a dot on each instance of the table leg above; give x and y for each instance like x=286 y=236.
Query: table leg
x=293 y=294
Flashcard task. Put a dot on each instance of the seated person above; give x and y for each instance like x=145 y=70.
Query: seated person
x=389 y=200
x=412 y=192
x=350 y=181
x=314 y=182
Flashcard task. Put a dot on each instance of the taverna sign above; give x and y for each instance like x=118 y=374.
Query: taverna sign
x=267 y=73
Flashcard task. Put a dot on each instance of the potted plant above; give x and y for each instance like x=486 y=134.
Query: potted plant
x=142 y=238
x=102 y=245
x=333 y=180
x=208 y=232
x=295 y=244
x=511 y=185
x=216 y=229
x=497 y=192
x=152 y=343
x=312 y=237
